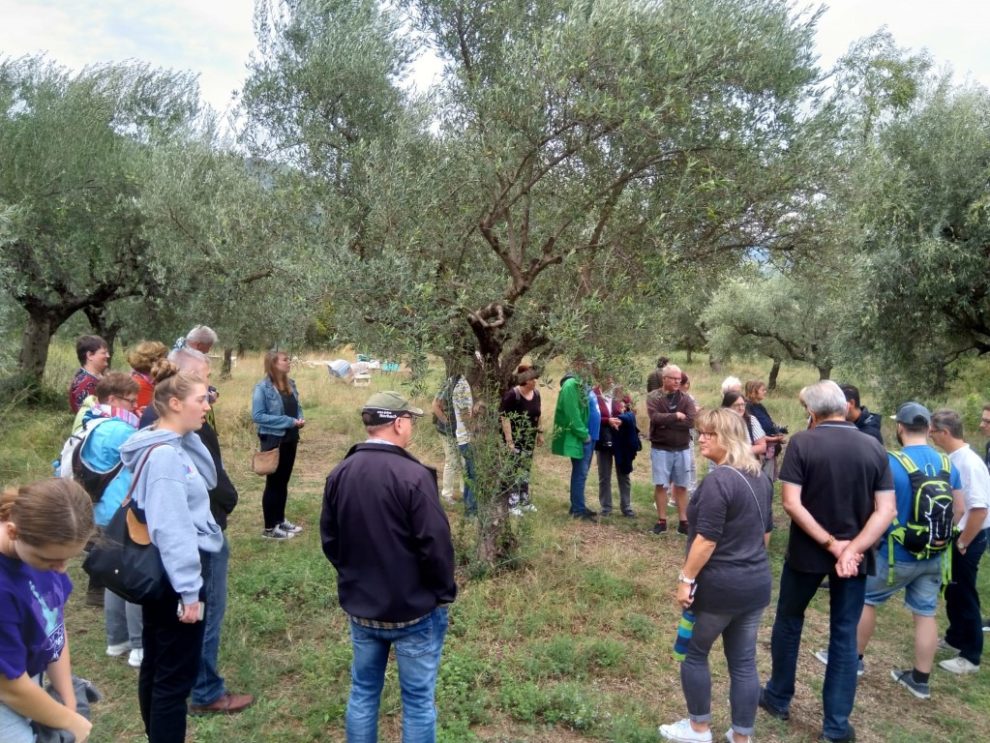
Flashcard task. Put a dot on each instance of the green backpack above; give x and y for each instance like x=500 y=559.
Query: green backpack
x=929 y=529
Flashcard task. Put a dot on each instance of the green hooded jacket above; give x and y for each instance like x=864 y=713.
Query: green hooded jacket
x=570 y=420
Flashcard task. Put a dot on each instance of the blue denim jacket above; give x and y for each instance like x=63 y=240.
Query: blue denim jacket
x=267 y=411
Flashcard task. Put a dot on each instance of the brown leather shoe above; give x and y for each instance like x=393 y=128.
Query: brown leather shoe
x=227 y=704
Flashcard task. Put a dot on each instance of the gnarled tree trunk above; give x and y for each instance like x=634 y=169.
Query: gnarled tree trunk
x=774 y=372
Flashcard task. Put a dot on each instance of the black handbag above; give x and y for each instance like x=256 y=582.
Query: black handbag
x=123 y=558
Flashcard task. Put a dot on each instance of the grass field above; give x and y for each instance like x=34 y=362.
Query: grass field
x=574 y=645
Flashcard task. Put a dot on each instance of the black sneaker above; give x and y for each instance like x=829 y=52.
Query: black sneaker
x=780 y=714
x=588 y=516
x=660 y=527
x=906 y=679
x=986 y=624
x=682 y=527
x=629 y=514
x=849 y=737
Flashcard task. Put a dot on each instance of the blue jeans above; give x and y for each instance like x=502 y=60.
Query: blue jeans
x=738 y=632
x=962 y=602
x=209 y=683
x=846 y=596
x=470 y=502
x=417 y=652
x=579 y=476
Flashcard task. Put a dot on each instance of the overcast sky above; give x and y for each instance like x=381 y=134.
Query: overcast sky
x=215 y=37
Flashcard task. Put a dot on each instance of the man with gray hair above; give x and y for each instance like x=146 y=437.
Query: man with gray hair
x=672 y=415
x=202 y=338
x=838 y=491
x=962 y=599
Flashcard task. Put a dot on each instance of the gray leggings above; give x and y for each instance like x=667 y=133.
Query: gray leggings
x=738 y=633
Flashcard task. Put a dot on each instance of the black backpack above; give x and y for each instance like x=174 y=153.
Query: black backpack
x=929 y=528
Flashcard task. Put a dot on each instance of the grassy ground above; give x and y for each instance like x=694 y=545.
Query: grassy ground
x=572 y=646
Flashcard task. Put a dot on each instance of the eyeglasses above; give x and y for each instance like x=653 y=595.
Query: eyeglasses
x=707 y=434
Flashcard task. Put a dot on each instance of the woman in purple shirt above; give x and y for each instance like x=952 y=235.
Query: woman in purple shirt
x=42 y=527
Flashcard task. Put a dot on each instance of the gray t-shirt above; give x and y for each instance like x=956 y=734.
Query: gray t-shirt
x=734 y=510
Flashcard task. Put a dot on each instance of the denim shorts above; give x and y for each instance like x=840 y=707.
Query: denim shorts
x=670 y=467
x=920 y=579
x=14 y=728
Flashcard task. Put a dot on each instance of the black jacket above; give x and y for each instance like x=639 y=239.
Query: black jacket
x=869 y=423
x=223 y=498
x=384 y=531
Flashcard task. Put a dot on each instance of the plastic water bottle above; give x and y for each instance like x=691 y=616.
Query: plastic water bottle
x=685 y=628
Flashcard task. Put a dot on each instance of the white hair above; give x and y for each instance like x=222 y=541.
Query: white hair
x=824 y=399
x=202 y=334
x=188 y=358
x=731 y=383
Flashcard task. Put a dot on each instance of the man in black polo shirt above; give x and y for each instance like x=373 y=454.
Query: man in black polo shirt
x=839 y=492
x=384 y=531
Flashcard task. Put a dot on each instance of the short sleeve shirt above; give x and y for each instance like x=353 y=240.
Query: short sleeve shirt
x=523 y=414
x=928 y=460
x=463 y=402
x=839 y=469
x=83 y=385
x=32 y=625
x=733 y=509
x=975 y=482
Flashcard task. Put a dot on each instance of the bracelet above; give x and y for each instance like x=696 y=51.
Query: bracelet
x=828 y=542
x=681 y=578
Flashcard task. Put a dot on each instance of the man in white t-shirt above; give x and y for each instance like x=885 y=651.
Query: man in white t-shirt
x=962 y=600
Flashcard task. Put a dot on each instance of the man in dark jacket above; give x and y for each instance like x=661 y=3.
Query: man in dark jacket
x=858 y=415
x=385 y=532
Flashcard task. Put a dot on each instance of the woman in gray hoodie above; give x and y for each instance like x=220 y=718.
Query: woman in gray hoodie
x=174 y=473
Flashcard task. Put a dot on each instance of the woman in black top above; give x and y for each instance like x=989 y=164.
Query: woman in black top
x=726 y=579
x=520 y=412
x=276 y=410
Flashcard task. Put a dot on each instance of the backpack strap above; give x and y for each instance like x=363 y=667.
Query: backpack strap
x=906 y=462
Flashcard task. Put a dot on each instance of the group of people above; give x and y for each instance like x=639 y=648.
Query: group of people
x=384 y=529
x=146 y=437
x=865 y=525
x=845 y=495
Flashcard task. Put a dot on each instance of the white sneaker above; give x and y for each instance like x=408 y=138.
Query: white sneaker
x=515 y=511
x=529 y=507
x=136 y=658
x=115 y=651
x=682 y=732
x=289 y=528
x=958 y=665
x=822 y=655
x=277 y=533
x=730 y=738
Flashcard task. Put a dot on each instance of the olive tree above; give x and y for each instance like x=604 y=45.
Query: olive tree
x=74 y=156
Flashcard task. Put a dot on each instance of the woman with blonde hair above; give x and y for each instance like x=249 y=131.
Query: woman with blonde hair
x=725 y=580
x=141 y=358
x=278 y=414
x=173 y=474
x=42 y=526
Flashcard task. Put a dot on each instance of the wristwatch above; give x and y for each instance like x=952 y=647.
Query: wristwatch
x=681 y=578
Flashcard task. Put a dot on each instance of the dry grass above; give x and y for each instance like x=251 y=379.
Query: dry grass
x=574 y=645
